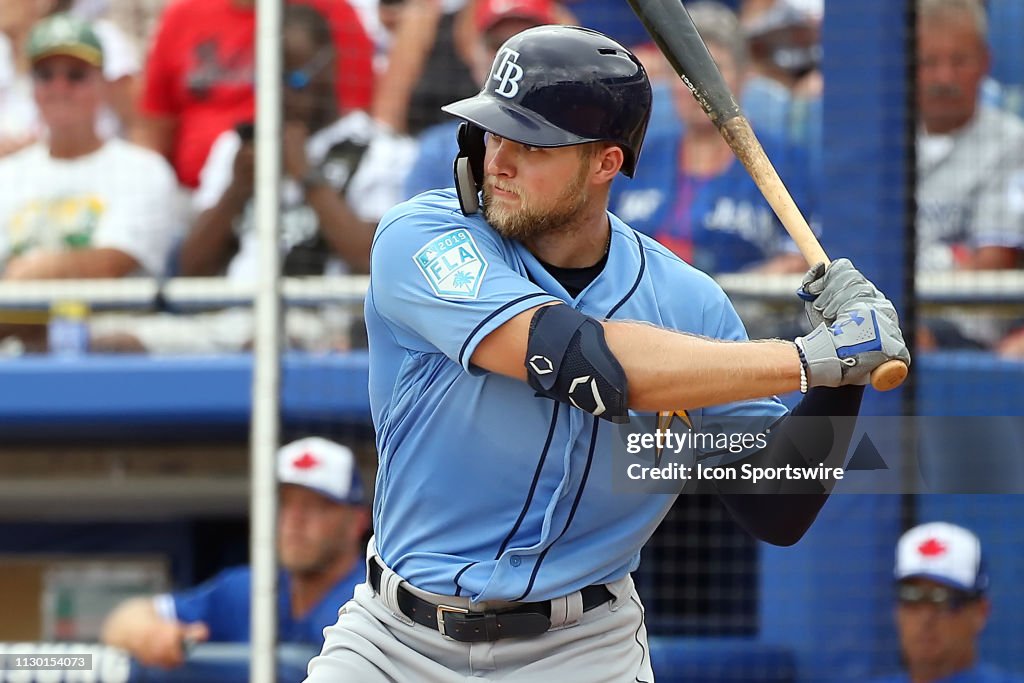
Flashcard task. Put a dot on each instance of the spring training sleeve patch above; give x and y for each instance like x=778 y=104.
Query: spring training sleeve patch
x=452 y=264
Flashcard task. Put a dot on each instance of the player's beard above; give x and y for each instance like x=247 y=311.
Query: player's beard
x=526 y=220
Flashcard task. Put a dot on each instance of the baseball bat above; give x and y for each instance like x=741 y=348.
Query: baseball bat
x=669 y=24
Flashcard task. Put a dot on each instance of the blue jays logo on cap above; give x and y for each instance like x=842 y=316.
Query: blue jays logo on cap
x=453 y=265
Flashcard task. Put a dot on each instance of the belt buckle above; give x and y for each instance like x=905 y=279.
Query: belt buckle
x=441 y=609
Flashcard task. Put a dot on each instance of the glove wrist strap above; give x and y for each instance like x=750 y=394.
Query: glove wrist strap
x=824 y=369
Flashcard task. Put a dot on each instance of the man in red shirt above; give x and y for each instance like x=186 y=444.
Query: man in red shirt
x=200 y=73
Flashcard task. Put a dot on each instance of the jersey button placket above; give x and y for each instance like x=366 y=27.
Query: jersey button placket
x=515 y=560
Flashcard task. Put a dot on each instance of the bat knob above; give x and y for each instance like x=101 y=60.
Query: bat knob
x=889 y=375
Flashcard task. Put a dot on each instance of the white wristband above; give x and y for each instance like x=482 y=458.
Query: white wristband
x=803 y=366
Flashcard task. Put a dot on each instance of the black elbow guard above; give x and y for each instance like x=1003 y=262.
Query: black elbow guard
x=568 y=359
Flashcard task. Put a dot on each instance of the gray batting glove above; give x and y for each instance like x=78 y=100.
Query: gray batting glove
x=826 y=291
x=845 y=352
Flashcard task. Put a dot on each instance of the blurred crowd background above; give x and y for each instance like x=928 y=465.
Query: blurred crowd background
x=139 y=161
x=127 y=152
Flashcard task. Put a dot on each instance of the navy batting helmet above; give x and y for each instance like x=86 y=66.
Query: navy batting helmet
x=554 y=86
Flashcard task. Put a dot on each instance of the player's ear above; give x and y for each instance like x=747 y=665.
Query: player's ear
x=608 y=160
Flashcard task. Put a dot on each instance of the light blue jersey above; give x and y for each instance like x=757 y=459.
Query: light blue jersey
x=484 y=489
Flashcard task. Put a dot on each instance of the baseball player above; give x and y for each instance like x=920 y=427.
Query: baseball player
x=320 y=525
x=503 y=365
x=943 y=603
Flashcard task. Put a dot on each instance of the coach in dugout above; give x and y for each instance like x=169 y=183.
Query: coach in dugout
x=321 y=521
x=942 y=607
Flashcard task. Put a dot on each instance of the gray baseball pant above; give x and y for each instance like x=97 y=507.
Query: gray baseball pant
x=373 y=642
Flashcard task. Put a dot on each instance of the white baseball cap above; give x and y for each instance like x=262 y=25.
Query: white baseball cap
x=323 y=466
x=944 y=553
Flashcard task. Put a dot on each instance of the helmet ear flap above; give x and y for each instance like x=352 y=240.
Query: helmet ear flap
x=469 y=167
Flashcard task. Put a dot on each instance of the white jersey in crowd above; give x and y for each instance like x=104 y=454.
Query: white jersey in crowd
x=120 y=197
x=358 y=157
x=970 y=188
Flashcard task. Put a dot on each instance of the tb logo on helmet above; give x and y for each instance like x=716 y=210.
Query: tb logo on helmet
x=507 y=73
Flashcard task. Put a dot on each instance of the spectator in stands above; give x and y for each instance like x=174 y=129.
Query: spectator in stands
x=200 y=73
x=970 y=156
x=76 y=206
x=427 y=66
x=783 y=92
x=20 y=124
x=341 y=175
x=322 y=518
x=942 y=606
x=785 y=44
x=970 y=165
x=694 y=196
x=495 y=22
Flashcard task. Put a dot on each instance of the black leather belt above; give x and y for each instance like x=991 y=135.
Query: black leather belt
x=457 y=623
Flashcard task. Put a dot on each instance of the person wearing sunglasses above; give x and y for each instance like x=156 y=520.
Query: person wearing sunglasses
x=75 y=205
x=942 y=606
